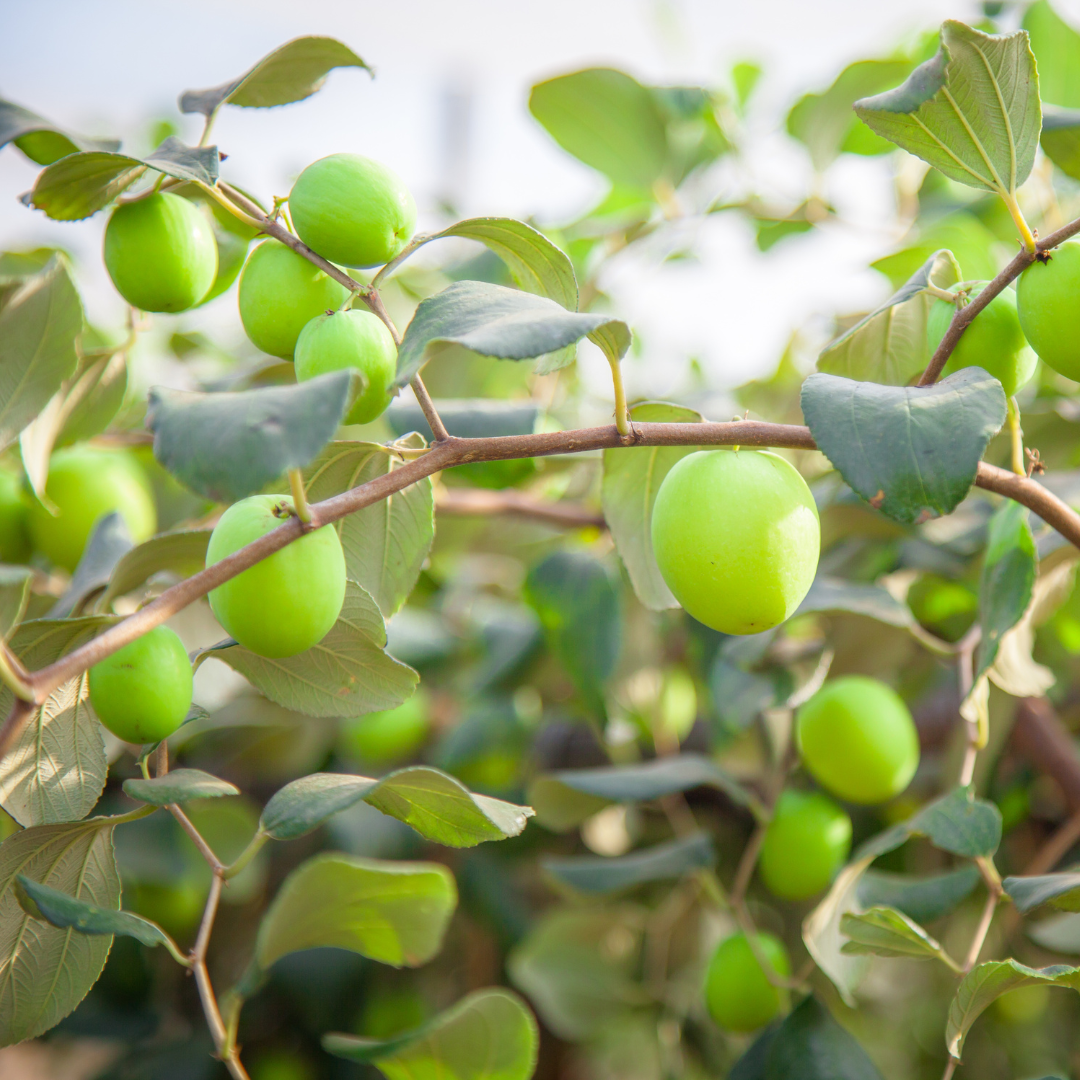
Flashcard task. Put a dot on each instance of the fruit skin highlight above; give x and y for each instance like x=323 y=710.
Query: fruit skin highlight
x=352 y=210
x=288 y=602
x=857 y=739
x=738 y=994
x=736 y=537
x=1048 y=302
x=280 y=293
x=351 y=339
x=160 y=253
x=142 y=693
x=806 y=842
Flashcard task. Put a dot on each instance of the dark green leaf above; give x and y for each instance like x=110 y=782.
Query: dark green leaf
x=179 y=786
x=109 y=542
x=1056 y=46
x=658 y=863
x=467 y=418
x=1061 y=139
x=883 y=931
x=1028 y=893
x=811 y=1045
x=15 y=122
x=922 y=899
x=751 y=1066
x=740 y=696
x=873 y=601
x=182 y=552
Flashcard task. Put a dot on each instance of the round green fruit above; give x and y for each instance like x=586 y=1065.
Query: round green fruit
x=351 y=339
x=160 y=253
x=1048 y=301
x=992 y=341
x=86 y=483
x=380 y=738
x=736 y=537
x=387 y=1013
x=14 y=520
x=282 y=1065
x=738 y=994
x=806 y=842
x=858 y=740
x=176 y=908
x=280 y=293
x=352 y=210
x=287 y=602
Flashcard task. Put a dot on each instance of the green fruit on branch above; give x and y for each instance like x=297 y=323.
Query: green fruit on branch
x=992 y=340
x=14 y=519
x=738 y=993
x=857 y=739
x=287 y=602
x=358 y=340
x=280 y=293
x=736 y=537
x=806 y=842
x=85 y=483
x=1048 y=301
x=352 y=210
x=142 y=693
x=381 y=738
x=160 y=253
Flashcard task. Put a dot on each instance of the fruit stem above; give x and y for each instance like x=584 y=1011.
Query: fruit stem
x=622 y=421
x=245 y=856
x=299 y=495
x=207 y=125
x=1016 y=434
x=215 y=194
x=941 y=294
x=1026 y=235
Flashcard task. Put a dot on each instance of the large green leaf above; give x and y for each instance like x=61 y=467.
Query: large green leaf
x=858 y=598
x=972 y=111
x=920 y=898
x=632 y=477
x=883 y=931
x=393 y=912
x=1061 y=139
x=109 y=542
x=15 y=122
x=230 y=445
x=179 y=786
x=911 y=452
x=467 y=418
x=45 y=971
x=1028 y=893
x=182 y=552
x=1056 y=46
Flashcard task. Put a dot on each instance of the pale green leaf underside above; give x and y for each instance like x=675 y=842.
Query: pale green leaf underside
x=883 y=931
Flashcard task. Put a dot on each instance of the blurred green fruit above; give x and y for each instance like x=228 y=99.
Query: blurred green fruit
x=381 y=738
x=738 y=994
x=736 y=538
x=352 y=210
x=806 y=842
x=160 y=253
x=1023 y=1005
x=1048 y=301
x=282 y=1065
x=14 y=519
x=176 y=908
x=387 y=1013
x=946 y=607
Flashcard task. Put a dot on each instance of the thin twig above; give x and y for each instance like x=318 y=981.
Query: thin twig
x=965 y=661
x=204 y=848
x=431 y=414
x=983 y=929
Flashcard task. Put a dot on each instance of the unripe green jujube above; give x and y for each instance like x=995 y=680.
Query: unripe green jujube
x=738 y=994
x=1048 y=302
x=380 y=738
x=807 y=840
x=14 y=519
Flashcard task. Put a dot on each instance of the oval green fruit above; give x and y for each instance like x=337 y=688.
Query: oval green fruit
x=14 y=519
x=142 y=693
x=806 y=842
x=736 y=537
x=993 y=340
x=289 y=601
x=177 y=908
x=352 y=210
x=738 y=994
x=280 y=293
x=857 y=739
x=86 y=483
x=380 y=738
x=160 y=253
x=1048 y=301
x=351 y=339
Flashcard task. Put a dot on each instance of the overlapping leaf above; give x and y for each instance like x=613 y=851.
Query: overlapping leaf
x=883 y=931
x=179 y=786
x=1027 y=893
x=17 y=122
x=183 y=552
x=596 y=876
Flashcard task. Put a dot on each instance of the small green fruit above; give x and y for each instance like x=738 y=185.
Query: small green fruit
x=1048 y=301
x=736 y=537
x=176 y=908
x=352 y=210
x=858 y=740
x=351 y=339
x=289 y=601
x=806 y=842
x=160 y=253
x=738 y=994
x=142 y=693
x=282 y=1065
x=381 y=738
x=280 y=293
x=992 y=341
x=86 y=483
x=14 y=520
x=387 y=1013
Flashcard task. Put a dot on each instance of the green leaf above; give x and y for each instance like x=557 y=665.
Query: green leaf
x=14 y=596
x=393 y=912
x=1061 y=139
x=911 y=452
x=922 y=899
x=740 y=696
x=82 y=184
x=811 y=1045
x=972 y=244
x=109 y=541
x=385 y=544
x=972 y=111
x=467 y=418
x=1028 y=893
x=39 y=326
x=606 y=119
x=488 y=1035
x=182 y=552
x=984 y=984
x=661 y=862
x=290 y=73
x=883 y=931
x=229 y=445
x=45 y=971
x=500 y=322
x=632 y=478
x=179 y=786
x=889 y=345
x=348 y=673
x=873 y=601
x=1056 y=46
x=15 y=122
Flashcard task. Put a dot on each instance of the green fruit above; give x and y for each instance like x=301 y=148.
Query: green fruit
x=289 y=601
x=44 y=147
x=14 y=520
x=806 y=842
x=86 y=483
x=389 y=1013
x=736 y=537
x=858 y=740
x=380 y=738
x=351 y=339
x=160 y=253
x=280 y=293
x=1048 y=301
x=142 y=693
x=176 y=908
x=993 y=340
x=738 y=994
x=352 y=210
x=946 y=607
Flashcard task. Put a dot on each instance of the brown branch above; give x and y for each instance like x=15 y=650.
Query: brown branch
x=1039 y=735
x=479 y=502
